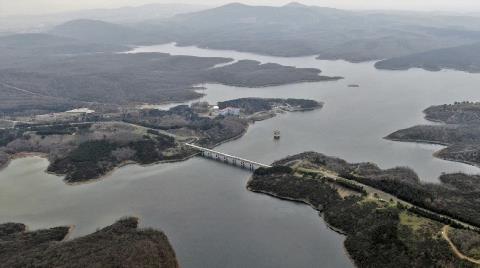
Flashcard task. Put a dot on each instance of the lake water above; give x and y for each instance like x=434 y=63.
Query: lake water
x=203 y=206
x=354 y=120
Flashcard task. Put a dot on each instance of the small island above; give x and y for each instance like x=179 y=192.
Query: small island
x=249 y=73
x=119 y=245
x=84 y=146
x=459 y=131
x=389 y=218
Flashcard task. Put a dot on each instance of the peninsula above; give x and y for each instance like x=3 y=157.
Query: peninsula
x=459 y=131
x=85 y=146
x=390 y=219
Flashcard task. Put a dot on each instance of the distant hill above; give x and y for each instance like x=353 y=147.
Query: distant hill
x=290 y=30
x=122 y=15
x=133 y=14
x=56 y=44
x=299 y=30
x=33 y=39
x=462 y=58
x=17 y=48
x=100 y=32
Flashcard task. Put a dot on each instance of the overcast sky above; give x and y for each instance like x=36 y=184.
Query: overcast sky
x=14 y=7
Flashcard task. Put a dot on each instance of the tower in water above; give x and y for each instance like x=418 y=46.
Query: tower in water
x=276 y=134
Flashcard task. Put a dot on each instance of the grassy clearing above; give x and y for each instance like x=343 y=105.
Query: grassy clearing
x=412 y=221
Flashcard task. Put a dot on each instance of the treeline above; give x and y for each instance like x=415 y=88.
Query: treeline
x=441 y=200
x=9 y=135
x=349 y=185
x=436 y=217
x=210 y=131
x=119 y=245
x=53 y=84
x=59 y=129
x=273 y=170
x=92 y=159
x=448 y=200
x=461 y=131
x=286 y=185
x=375 y=236
x=253 y=105
x=341 y=182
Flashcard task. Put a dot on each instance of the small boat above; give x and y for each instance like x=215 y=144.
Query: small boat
x=276 y=134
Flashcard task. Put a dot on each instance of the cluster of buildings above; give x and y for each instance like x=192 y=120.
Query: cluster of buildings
x=204 y=107
x=72 y=115
x=229 y=111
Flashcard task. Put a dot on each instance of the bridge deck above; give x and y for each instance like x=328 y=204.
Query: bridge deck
x=227 y=155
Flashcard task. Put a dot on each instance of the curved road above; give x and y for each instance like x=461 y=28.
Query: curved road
x=455 y=249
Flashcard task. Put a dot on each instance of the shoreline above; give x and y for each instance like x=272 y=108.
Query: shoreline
x=232 y=138
x=110 y=172
x=296 y=200
x=300 y=201
x=436 y=153
x=305 y=202
x=121 y=165
x=20 y=155
x=417 y=141
x=265 y=114
x=456 y=160
x=273 y=85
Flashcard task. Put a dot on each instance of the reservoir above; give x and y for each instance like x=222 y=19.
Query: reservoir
x=204 y=207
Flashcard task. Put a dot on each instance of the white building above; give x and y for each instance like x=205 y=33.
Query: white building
x=230 y=111
x=80 y=111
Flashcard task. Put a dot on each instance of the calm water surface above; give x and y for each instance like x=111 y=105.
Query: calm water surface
x=354 y=120
x=203 y=206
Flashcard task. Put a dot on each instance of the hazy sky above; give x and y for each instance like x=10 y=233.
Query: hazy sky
x=13 y=7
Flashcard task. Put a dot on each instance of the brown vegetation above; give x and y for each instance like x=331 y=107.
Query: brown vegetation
x=460 y=131
x=118 y=245
x=403 y=183
x=379 y=233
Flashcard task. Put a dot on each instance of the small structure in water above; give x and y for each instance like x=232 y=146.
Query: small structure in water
x=276 y=134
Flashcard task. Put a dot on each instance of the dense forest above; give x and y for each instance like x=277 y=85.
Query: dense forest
x=37 y=77
x=254 y=105
x=118 y=245
x=182 y=120
x=88 y=148
x=291 y=30
x=379 y=233
x=463 y=58
x=445 y=199
x=87 y=151
x=460 y=131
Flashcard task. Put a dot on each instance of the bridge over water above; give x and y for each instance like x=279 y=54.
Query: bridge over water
x=228 y=159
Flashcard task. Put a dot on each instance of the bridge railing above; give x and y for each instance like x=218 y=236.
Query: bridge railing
x=229 y=159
